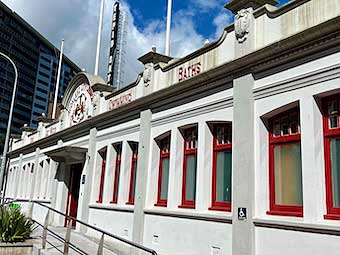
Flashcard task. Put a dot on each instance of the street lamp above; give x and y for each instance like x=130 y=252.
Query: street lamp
x=4 y=154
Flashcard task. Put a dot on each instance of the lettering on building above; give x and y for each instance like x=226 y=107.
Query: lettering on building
x=190 y=71
x=124 y=99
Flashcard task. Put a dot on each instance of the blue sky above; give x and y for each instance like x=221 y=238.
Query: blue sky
x=194 y=21
x=205 y=12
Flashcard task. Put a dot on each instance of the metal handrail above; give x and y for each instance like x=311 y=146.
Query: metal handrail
x=60 y=238
x=103 y=232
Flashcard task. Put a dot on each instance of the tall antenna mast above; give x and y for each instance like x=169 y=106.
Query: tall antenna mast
x=113 y=43
x=121 y=56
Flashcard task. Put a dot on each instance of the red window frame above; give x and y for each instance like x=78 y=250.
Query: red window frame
x=225 y=146
x=164 y=152
x=118 y=148
x=333 y=213
x=134 y=159
x=285 y=137
x=102 y=153
x=190 y=136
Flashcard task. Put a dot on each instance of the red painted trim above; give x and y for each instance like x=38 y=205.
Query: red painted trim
x=134 y=159
x=116 y=178
x=187 y=204
x=161 y=202
x=101 y=185
x=215 y=205
x=275 y=209
x=333 y=213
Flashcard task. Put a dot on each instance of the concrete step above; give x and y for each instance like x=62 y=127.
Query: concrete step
x=82 y=243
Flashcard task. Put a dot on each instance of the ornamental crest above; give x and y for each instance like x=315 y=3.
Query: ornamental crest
x=242 y=24
x=147 y=74
x=80 y=104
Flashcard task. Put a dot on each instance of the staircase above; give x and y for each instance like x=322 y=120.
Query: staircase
x=50 y=240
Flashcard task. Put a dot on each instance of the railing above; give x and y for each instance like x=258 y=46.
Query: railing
x=67 y=238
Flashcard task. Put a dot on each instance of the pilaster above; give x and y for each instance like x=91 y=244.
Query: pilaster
x=141 y=177
x=86 y=181
x=34 y=174
x=243 y=177
x=312 y=156
x=204 y=165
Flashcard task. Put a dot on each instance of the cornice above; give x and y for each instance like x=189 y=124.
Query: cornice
x=301 y=81
x=222 y=103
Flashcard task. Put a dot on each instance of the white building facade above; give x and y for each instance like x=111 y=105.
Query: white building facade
x=232 y=149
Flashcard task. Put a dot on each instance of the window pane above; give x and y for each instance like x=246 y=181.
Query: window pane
x=335 y=161
x=190 y=190
x=117 y=174
x=223 y=177
x=134 y=178
x=277 y=128
x=288 y=175
x=165 y=178
x=285 y=126
x=333 y=114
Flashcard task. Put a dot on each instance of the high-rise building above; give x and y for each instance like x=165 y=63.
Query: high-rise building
x=37 y=62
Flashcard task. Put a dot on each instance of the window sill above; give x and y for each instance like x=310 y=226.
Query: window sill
x=298 y=224
x=219 y=208
x=186 y=206
x=112 y=207
x=332 y=217
x=192 y=215
x=160 y=204
x=283 y=213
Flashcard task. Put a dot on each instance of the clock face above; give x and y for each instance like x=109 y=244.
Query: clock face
x=80 y=104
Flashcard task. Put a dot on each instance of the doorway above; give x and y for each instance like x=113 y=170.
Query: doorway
x=73 y=193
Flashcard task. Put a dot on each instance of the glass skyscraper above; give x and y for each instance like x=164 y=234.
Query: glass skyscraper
x=37 y=62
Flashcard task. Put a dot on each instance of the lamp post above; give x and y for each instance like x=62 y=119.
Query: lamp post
x=4 y=154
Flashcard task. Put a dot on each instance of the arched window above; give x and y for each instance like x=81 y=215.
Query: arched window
x=221 y=167
x=118 y=149
x=133 y=175
x=163 y=175
x=102 y=155
x=285 y=170
x=331 y=117
x=190 y=135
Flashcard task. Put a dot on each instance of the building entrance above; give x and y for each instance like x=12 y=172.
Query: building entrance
x=73 y=192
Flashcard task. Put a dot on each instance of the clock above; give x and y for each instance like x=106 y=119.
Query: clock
x=80 y=103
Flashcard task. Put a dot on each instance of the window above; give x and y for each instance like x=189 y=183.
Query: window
x=134 y=149
x=189 y=167
x=163 y=175
x=332 y=155
x=118 y=149
x=102 y=154
x=222 y=167
x=285 y=170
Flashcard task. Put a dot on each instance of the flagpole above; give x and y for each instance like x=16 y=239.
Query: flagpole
x=96 y=68
x=168 y=29
x=58 y=80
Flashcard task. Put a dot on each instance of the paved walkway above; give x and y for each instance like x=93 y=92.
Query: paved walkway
x=82 y=244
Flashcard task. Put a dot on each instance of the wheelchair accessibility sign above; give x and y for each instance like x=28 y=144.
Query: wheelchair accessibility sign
x=242 y=213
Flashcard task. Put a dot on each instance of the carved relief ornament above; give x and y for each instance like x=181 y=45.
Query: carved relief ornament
x=147 y=74
x=242 y=25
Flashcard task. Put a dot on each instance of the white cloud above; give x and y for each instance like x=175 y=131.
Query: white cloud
x=221 y=21
x=77 y=22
